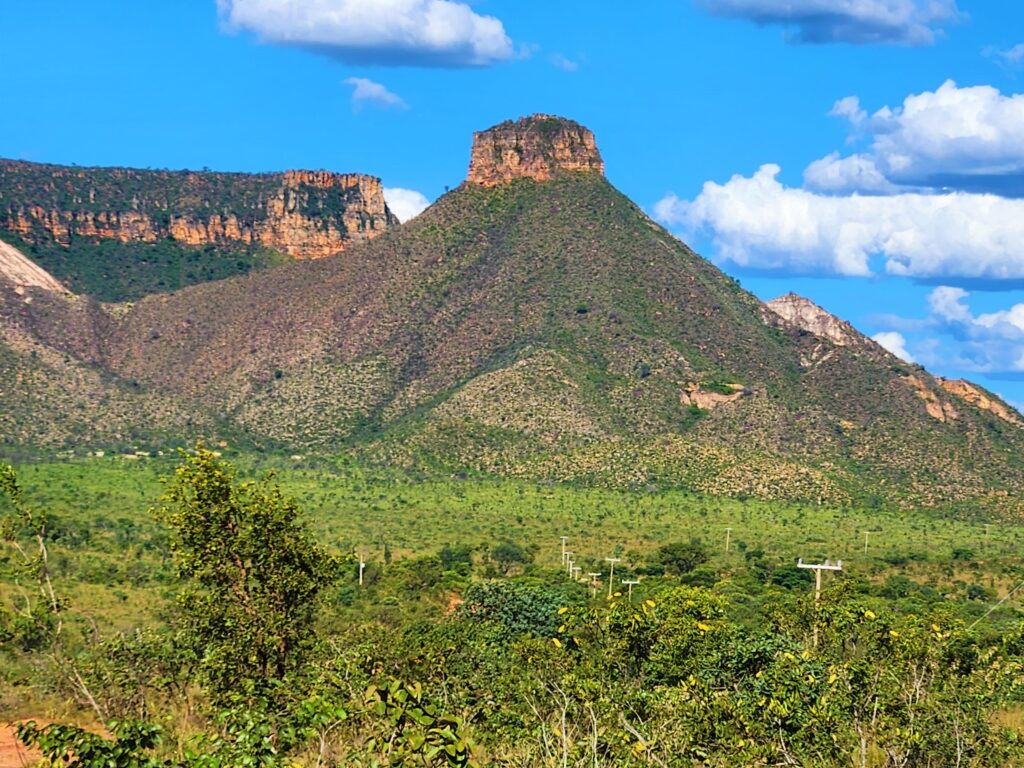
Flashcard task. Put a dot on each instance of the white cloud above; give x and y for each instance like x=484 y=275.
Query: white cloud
x=563 y=62
x=961 y=138
x=405 y=203
x=1012 y=56
x=416 y=32
x=368 y=92
x=992 y=342
x=833 y=173
x=849 y=108
x=947 y=304
x=903 y=22
x=894 y=343
x=758 y=222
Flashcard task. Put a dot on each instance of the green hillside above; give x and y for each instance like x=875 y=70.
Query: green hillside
x=547 y=330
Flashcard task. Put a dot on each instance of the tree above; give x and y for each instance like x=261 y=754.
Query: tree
x=682 y=557
x=38 y=622
x=508 y=554
x=254 y=573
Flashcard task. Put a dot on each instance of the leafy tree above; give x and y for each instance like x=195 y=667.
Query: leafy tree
x=253 y=573
x=26 y=530
x=455 y=555
x=519 y=606
x=508 y=555
x=682 y=557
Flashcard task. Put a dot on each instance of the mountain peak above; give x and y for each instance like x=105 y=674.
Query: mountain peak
x=535 y=147
x=805 y=314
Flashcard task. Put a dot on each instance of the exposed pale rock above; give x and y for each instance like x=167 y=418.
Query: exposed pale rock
x=808 y=316
x=707 y=400
x=23 y=273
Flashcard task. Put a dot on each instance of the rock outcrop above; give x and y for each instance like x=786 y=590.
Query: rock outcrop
x=808 y=316
x=980 y=399
x=22 y=273
x=537 y=147
x=304 y=214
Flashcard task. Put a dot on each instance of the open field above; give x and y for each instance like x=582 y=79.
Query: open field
x=105 y=531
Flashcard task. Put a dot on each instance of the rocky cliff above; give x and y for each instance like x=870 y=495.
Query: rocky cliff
x=303 y=214
x=536 y=147
x=808 y=316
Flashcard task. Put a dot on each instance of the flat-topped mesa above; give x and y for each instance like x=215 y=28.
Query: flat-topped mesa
x=306 y=214
x=536 y=147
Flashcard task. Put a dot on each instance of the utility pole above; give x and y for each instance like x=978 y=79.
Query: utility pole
x=563 y=539
x=818 y=568
x=595 y=580
x=568 y=561
x=630 y=583
x=866 y=534
x=728 y=533
x=362 y=566
x=576 y=572
x=611 y=572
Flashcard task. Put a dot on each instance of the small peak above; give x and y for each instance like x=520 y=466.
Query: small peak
x=805 y=314
x=535 y=147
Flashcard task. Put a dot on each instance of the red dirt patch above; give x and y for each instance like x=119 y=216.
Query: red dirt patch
x=13 y=753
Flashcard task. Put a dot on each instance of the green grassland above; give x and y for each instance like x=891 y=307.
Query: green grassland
x=104 y=532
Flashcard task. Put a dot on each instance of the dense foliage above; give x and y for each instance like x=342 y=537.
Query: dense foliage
x=474 y=657
x=109 y=270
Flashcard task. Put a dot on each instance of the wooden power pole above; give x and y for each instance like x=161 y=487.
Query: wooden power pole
x=818 y=568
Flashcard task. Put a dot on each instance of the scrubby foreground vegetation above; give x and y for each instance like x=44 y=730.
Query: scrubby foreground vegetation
x=226 y=629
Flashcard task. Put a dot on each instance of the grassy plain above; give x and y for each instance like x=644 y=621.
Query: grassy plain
x=108 y=544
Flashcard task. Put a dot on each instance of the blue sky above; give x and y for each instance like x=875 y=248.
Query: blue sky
x=868 y=154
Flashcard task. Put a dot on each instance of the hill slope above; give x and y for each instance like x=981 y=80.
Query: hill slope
x=535 y=322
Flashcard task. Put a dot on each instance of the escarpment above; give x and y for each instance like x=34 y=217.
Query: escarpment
x=303 y=214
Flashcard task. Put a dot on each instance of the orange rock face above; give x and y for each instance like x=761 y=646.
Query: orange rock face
x=536 y=147
x=977 y=397
x=307 y=215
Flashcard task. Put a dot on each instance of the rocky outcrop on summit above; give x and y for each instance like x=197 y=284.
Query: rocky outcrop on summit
x=536 y=147
x=808 y=316
x=304 y=214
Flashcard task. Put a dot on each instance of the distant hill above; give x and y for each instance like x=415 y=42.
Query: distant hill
x=536 y=323
x=121 y=233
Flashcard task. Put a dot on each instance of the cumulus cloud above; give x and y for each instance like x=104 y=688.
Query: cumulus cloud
x=405 y=203
x=991 y=342
x=970 y=139
x=894 y=343
x=901 y=22
x=758 y=222
x=849 y=107
x=440 y=33
x=836 y=174
x=367 y=92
